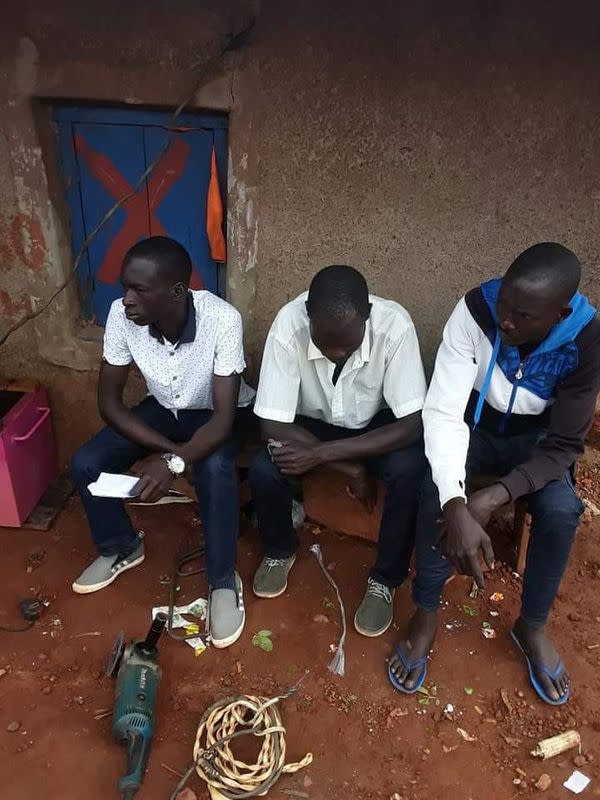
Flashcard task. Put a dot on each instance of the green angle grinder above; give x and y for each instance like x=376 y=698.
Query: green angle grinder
x=137 y=673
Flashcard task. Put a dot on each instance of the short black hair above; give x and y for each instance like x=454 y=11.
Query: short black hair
x=338 y=290
x=171 y=258
x=549 y=265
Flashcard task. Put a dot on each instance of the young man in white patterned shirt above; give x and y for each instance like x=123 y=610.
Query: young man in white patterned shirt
x=188 y=347
x=341 y=384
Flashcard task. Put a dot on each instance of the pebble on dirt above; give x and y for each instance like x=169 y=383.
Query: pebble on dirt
x=186 y=794
x=13 y=727
x=544 y=782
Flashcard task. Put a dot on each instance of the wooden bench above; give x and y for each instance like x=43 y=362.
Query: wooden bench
x=327 y=503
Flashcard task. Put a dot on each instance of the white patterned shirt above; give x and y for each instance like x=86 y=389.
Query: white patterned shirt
x=179 y=376
x=385 y=372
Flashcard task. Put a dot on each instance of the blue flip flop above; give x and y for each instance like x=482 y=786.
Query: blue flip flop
x=419 y=662
x=550 y=673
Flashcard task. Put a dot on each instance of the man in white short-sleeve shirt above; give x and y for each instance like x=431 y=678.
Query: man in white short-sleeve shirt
x=188 y=346
x=341 y=384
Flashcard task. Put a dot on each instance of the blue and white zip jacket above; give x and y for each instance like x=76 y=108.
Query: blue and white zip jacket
x=480 y=381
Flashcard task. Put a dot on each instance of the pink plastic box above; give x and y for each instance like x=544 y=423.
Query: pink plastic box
x=28 y=461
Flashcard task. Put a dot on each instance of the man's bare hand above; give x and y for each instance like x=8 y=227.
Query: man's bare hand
x=463 y=539
x=155 y=478
x=295 y=458
x=363 y=487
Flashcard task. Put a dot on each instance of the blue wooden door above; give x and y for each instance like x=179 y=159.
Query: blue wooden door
x=103 y=154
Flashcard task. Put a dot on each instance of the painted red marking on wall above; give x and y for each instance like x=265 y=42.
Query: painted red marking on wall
x=166 y=173
x=12 y=308
x=27 y=239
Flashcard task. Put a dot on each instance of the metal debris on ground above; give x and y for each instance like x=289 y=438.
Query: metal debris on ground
x=474 y=591
x=577 y=782
x=197 y=608
x=555 y=745
x=338 y=663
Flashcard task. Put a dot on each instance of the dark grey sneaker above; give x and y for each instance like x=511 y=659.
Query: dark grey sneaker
x=105 y=569
x=226 y=614
x=271 y=578
x=376 y=612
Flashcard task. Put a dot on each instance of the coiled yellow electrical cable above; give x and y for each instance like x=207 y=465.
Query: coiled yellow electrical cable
x=227 y=777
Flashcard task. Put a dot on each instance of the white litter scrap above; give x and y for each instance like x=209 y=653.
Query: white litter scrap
x=488 y=631
x=577 y=783
x=197 y=608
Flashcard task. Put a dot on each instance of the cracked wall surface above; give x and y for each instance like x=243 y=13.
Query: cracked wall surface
x=426 y=144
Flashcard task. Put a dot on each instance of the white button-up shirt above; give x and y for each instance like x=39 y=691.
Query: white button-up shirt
x=179 y=375
x=385 y=372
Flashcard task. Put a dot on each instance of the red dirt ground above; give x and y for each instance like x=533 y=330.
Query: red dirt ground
x=368 y=741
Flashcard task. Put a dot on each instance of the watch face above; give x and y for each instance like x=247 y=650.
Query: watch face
x=177 y=464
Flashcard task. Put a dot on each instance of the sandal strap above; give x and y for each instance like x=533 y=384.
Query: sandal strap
x=418 y=662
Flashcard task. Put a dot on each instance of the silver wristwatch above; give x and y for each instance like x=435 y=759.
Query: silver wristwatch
x=175 y=463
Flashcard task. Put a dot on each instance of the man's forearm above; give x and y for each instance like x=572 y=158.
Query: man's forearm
x=125 y=422
x=290 y=432
x=206 y=439
x=382 y=440
x=286 y=432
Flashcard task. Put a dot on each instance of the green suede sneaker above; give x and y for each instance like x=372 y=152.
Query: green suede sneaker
x=270 y=579
x=376 y=612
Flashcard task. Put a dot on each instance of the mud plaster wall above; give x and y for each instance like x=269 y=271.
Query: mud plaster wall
x=426 y=145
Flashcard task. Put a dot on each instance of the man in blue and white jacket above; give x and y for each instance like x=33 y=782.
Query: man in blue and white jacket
x=513 y=394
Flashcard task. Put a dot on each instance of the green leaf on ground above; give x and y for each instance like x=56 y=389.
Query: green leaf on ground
x=470 y=611
x=469 y=690
x=262 y=639
x=327 y=603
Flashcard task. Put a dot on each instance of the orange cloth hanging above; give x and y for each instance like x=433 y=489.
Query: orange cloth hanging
x=214 y=214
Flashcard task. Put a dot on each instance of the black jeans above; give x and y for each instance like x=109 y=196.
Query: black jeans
x=555 y=510
x=401 y=471
x=215 y=480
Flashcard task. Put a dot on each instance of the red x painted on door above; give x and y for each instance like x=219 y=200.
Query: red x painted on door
x=140 y=207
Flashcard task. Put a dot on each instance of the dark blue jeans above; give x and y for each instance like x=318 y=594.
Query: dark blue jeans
x=555 y=512
x=215 y=480
x=401 y=471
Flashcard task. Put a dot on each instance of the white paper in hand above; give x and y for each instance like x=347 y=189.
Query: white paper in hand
x=111 y=485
